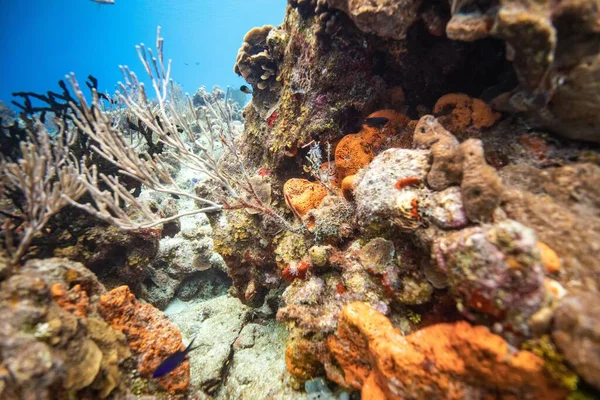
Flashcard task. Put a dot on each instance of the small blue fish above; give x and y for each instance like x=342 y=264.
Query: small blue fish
x=173 y=361
x=104 y=1
x=245 y=89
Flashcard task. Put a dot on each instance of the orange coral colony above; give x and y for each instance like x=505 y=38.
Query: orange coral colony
x=549 y=258
x=301 y=195
x=348 y=187
x=357 y=150
x=352 y=153
x=458 y=112
x=448 y=360
x=394 y=127
x=74 y=300
x=149 y=334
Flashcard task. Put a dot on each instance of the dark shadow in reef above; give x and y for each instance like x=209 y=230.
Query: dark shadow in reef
x=435 y=65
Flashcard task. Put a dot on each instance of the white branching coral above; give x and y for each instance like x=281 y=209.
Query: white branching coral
x=320 y=170
x=42 y=180
x=48 y=176
x=194 y=134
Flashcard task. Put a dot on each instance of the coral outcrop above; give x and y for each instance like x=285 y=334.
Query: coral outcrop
x=109 y=251
x=556 y=64
x=53 y=342
x=452 y=202
x=576 y=333
x=495 y=270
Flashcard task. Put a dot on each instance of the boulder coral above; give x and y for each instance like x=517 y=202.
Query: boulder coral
x=150 y=335
x=495 y=270
x=53 y=343
x=377 y=197
x=450 y=361
x=446 y=164
x=257 y=62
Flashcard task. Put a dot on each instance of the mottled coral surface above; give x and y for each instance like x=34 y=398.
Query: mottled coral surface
x=450 y=361
x=149 y=333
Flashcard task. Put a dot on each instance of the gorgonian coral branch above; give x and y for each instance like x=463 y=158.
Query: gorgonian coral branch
x=37 y=185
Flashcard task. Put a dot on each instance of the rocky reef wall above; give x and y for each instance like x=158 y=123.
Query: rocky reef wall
x=450 y=186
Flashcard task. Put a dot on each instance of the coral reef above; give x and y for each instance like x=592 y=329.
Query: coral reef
x=409 y=212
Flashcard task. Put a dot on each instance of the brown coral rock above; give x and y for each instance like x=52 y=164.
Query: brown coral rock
x=446 y=168
x=302 y=195
x=387 y=18
x=149 y=334
x=481 y=187
x=561 y=204
x=450 y=361
x=577 y=335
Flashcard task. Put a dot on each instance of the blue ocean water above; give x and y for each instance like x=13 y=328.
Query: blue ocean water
x=41 y=41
